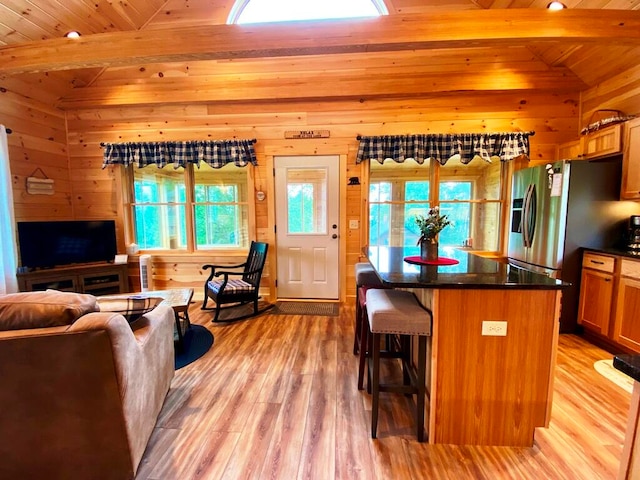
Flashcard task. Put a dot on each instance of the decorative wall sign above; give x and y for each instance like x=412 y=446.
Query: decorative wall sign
x=306 y=134
x=39 y=186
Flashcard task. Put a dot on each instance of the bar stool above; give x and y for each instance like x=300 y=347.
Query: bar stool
x=365 y=277
x=397 y=312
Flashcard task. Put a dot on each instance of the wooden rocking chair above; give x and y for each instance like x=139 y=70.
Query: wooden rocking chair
x=236 y=291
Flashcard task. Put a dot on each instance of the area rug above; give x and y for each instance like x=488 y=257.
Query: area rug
x=306 y=308
x=197 y=342
x=606 y=369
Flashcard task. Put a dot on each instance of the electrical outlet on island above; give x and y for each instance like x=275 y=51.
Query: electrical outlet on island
x=494 y=328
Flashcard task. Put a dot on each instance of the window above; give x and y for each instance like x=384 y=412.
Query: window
x=395 y=198
x=469 y=194
x=159 y=208
x=257 y=11
x=221 y=209
x=189 y=209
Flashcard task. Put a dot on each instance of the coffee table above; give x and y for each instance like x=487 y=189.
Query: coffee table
x=176 y=298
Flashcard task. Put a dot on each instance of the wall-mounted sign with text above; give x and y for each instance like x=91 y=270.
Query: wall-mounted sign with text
x=306 y=134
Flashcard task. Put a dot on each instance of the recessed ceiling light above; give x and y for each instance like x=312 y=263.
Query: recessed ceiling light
x=555 y=5
x=72 y=34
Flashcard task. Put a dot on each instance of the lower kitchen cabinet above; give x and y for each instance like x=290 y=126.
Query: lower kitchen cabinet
x=595 y=313
x=627 y=315
x=609 y=310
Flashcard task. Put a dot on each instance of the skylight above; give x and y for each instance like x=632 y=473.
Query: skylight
x=261 y=11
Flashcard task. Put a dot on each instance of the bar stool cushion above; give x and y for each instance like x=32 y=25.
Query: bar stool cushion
x=366 y=275
x=396 y=311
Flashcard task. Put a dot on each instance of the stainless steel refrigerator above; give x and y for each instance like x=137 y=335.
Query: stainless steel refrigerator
x=557 y=209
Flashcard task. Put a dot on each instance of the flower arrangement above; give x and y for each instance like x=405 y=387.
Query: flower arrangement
x=431 y=225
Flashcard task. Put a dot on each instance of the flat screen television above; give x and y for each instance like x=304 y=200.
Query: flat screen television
x=53 y=244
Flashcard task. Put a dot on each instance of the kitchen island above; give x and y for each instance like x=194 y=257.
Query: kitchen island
x=493 y=345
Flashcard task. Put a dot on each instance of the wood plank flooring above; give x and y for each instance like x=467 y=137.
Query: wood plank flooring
x=276 y=398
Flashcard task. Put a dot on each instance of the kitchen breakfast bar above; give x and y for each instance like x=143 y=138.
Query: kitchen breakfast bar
x=487 y=383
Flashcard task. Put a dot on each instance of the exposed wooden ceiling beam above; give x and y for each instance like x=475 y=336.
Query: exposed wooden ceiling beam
x=314 y=85
x=389 y=33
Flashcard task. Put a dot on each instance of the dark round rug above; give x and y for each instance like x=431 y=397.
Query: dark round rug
x=197 y=342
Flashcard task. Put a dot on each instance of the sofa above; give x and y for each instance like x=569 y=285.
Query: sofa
x=80 y=389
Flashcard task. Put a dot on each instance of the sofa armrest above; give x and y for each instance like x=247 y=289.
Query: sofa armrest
x=143 y=354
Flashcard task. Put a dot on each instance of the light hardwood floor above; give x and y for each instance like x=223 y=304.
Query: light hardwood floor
x=276 y=398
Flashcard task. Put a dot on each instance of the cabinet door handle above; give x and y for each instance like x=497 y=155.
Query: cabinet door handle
x=607 y=279
x=597 y=262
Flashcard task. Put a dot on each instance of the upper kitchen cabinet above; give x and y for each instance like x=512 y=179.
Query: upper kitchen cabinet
x=602 y=143
x=570 y=150
x=599 y=144
x=631 y=161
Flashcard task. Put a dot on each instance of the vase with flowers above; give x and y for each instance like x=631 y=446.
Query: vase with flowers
x=430 y=226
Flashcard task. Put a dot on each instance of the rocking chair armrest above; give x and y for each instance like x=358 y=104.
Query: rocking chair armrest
x=205 y=267
x=226 y=273
x=213 y=269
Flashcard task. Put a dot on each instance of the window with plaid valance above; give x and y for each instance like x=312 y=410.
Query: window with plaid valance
x=216 y=153
x=442 y=147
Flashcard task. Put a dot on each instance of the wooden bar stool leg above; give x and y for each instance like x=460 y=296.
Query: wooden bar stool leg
x=375 y=396
x=364 y=335
x=405 y=342
x=420 y=401
x=358 y=324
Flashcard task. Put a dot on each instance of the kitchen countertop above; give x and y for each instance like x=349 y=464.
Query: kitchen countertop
x=629 y=364
x=472 y=271
x=620 y=252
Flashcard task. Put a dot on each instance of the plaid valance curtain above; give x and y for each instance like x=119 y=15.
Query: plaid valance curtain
x=216 y=153
x=442 y=147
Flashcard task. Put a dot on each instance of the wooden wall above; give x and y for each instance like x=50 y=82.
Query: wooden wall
x=552 y=116
x=621 y=92
x=38 y=141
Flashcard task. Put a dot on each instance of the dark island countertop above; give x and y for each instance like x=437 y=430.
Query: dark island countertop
x=472 y=271
x=629 y=364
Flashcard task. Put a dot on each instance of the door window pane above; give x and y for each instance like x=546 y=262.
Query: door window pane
x=307 y=200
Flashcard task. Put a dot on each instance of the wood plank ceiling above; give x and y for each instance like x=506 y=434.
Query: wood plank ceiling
x=167 y=51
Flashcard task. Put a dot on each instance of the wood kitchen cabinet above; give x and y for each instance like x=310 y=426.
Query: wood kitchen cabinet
x=630 y=189
x=599 y=144
x=570 y=150
x=609 y=309
x=627 y=315
x=596 y=292
x=603 y=143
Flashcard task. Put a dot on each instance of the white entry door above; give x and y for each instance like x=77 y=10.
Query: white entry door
x=307 y=217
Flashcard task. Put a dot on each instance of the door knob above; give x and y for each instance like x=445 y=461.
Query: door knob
x=334 y=226
x=334 y=236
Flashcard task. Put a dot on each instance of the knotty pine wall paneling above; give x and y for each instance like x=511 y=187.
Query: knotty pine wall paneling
x=39 y=140
x=553 y=116
x=621 y=92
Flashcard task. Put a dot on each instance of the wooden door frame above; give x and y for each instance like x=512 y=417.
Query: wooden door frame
x=310 y=148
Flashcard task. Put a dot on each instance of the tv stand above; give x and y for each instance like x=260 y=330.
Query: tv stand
x=96 y=279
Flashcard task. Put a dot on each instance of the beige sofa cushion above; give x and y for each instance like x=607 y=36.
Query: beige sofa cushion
x=43 y=309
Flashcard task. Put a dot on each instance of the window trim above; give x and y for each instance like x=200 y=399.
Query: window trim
x=506 y=171
x=125 y=178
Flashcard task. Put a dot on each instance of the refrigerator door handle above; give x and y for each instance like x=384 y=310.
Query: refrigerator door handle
x=525 y=217
x=533 y=213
